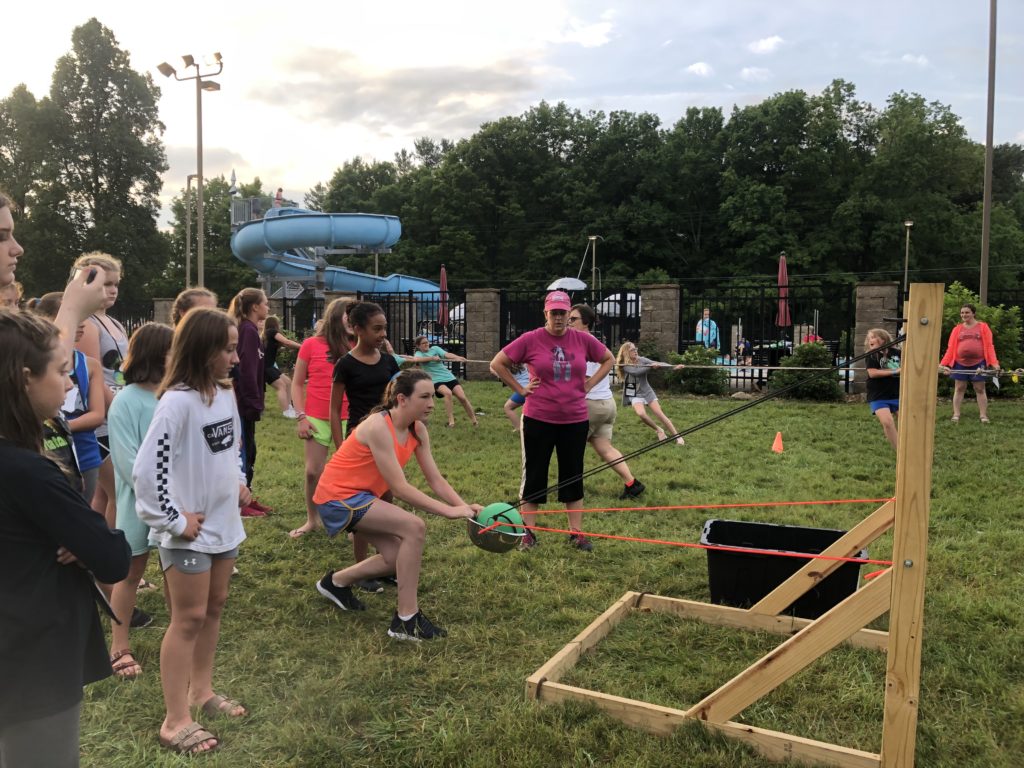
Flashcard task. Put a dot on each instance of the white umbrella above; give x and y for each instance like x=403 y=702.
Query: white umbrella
x=567 y=284
x=457 y=313
x=611 y=305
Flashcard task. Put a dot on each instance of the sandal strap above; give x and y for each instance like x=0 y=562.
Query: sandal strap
x=191 y=736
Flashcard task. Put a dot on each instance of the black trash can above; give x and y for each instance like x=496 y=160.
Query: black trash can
x=741 y=579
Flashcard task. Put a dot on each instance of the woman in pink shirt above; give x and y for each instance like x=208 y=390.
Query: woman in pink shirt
x=555 y=416
x=970 y=349
x=311 y=398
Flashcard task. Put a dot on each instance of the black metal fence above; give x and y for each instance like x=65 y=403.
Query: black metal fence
x=132 y=314
x=301 y=314
x=440 y=316
x=618 y=314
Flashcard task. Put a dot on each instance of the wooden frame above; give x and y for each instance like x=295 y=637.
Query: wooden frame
x=898 y=590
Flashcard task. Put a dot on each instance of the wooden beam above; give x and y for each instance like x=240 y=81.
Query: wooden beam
x=566 y=658
x=662 y=721
x=910 y=535
x=813 y=571
x=774 y=668
x=740 y=618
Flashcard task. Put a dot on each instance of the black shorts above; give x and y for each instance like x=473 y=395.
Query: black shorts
x=271 y=374
x=451 y=384
x=569 y=442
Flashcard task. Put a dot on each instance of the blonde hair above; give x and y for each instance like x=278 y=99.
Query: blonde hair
x=104 y=261
x=244 y=301
x=881 y=333
x=186 y=300
x=623 y=357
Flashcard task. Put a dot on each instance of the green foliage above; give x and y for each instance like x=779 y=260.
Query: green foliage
x=286 y=356
x=825 y=388
x=697 y=381
x=1006 y=336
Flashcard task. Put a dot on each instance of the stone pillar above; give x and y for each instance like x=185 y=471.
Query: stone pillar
x=482 y=318
x=162 y=310
x=874 y=302
x=659 y=317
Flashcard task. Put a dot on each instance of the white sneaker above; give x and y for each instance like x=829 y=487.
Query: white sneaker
x=290 y=413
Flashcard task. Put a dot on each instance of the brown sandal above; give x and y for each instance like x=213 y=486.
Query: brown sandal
x=125 y=668
x=188 y=740
x=222 y=706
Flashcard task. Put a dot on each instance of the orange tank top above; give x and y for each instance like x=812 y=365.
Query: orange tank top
x=352 y=468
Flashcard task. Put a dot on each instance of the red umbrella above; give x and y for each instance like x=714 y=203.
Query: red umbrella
x=782 y=319
x=442 y=307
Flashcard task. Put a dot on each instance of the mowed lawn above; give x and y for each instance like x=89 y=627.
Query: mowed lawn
x=329 y=688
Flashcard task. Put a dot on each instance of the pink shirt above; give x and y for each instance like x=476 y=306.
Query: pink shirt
x=319 y=376
x=560 y=362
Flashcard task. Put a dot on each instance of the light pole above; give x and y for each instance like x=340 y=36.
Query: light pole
x=593 y=264
x=201 y=85
x=906 y=258
x=188 y=229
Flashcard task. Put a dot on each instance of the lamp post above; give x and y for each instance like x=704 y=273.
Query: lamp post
x=593 y=265
x=188 y=229
x=201 y=85
x=906 y=258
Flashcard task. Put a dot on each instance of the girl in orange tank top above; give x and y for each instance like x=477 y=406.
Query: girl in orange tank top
x=365 y=468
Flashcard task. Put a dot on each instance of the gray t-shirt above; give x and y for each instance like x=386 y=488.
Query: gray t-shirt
x=636 y=386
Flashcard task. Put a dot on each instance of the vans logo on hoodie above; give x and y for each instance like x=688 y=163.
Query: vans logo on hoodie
x=220 y=435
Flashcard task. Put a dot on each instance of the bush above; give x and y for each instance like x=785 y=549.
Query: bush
x=825 y=387
x=697 y=381
x=1006 y=334
x=286 y=356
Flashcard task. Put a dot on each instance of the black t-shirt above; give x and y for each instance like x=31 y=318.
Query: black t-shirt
x=364 y=384
x=884 y=387
x=270 y=346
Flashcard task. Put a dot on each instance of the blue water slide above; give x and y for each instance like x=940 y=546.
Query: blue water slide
x=272 y=246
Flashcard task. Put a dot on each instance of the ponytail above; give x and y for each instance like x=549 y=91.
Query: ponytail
x=402 y=384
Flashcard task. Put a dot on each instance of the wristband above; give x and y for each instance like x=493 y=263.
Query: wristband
x=301 y=415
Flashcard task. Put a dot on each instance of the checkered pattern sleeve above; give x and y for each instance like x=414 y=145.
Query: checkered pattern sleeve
x=153 y=470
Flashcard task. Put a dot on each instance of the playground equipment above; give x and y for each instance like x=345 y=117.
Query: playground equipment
x=898 y=590
x=290 y=244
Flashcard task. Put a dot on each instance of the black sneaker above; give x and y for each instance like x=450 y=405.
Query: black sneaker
x=388 y=581
x=373 y=586
x=340 y=596
x=632 y=491
x=580 y=542
x=140 y=619
x=417 y=628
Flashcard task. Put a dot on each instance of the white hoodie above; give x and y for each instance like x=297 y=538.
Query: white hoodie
x=189 y=461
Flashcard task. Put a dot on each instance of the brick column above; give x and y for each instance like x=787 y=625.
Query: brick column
x=659 y=317
x=482 y=318
x=874 y=301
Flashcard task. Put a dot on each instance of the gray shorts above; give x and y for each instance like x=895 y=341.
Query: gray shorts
x=189 y=561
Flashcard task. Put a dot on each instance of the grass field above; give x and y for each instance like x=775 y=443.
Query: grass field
x=327 y=688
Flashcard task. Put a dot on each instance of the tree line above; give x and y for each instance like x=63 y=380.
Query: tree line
x=826 y=177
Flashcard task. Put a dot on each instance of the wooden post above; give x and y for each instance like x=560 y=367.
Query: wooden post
x=910 y=533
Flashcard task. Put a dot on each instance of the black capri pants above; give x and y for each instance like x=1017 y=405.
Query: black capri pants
x=569 y=441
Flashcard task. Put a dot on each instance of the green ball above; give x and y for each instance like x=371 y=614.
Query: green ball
x=503 y=513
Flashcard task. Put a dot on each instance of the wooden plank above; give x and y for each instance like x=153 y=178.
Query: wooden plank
x=813 y=571
x=596 y=631
x=777 y=666
x=910 y=535
x=662 y=721
x=727 y=616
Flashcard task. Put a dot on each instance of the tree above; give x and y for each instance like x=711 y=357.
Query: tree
x=21 y=152
x=316 y=198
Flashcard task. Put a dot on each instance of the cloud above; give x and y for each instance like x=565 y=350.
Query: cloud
x=765 y=44
x=755 y=74
x=700 y=69
x=446 y=100
x=919 y=60
x=588 y=35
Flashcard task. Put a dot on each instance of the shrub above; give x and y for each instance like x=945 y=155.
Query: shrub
x=697 y=381
x=286 y=355
x=816 y=355
x=1006 y=335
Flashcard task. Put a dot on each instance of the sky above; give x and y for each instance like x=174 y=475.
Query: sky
x=306 y=87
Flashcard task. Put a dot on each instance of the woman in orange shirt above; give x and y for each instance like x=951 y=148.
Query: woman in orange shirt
x=970 y=349
x=349 y=497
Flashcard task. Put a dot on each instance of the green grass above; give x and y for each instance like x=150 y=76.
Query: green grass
x=327 y=688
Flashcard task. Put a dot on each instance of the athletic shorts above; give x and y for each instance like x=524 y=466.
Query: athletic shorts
x=189 y=561
x=516 y=398
x=104 y=441
x=451 y=384
x=344 y=515
x=569 y=443
x=602 y=416
x=271 y=374
x=892 y=405
x=322 y=430
x=967 y=376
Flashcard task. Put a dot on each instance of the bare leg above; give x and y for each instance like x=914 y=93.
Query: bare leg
x=959 y=389
x=283 y=389
x=641 y=412
x=460 y=393
x=510 y=409
x=664 y=419
x=316 y=457
x=200 y=688
x=575 y=516
x=105 y=500
x=447 y=395
x=982 y=397
x=885 y=418
x=609 y=453
x=123 y=602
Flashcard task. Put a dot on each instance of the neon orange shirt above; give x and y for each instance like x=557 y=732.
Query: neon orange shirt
x=352 y=468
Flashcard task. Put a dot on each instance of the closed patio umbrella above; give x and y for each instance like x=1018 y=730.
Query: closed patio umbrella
x=783 y=319
x=442 y=309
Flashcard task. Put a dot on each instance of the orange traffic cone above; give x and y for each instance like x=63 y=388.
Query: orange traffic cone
x=777 y=445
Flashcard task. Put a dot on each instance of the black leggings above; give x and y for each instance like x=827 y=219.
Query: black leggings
x=569 y=442
x=249 y=449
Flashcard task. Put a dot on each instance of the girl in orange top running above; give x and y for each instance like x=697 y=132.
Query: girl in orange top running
x=349 y=497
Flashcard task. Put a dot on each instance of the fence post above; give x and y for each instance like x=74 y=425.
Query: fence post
x=659 y=317
x=482 y=318
x=874 y=301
